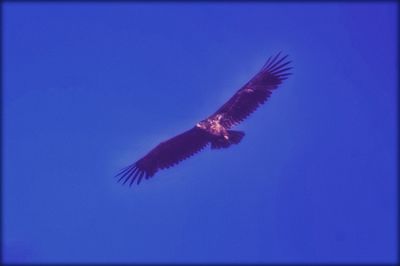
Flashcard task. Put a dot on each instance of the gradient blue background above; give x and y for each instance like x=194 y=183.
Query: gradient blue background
x=89 y=88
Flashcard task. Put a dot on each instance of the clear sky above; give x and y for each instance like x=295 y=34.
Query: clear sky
x=90 y=88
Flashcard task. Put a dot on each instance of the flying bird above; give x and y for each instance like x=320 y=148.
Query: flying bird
x=215 y=129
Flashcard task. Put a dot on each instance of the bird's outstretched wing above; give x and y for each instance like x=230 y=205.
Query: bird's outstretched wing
x=165 y=155
x=255 y=92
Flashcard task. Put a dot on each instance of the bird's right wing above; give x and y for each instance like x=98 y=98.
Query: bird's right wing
x=255 y=92
x=166 y=154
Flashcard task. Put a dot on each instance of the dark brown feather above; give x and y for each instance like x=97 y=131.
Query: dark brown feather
x=255 y=92
x=166 y=154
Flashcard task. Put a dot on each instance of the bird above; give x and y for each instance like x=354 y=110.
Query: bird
x=215 y=130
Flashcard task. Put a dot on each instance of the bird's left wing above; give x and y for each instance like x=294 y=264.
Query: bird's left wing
x=165 y=155
x=255 y=92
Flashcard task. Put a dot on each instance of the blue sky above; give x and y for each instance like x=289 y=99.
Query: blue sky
x=90 y=88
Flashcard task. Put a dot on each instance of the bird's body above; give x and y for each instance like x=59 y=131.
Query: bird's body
x=213 y=126
x=215 y=129
x=220 y=136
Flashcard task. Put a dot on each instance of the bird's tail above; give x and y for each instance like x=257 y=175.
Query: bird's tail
x=234 y=137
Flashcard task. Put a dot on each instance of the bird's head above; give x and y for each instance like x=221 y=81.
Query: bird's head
x=201 y=125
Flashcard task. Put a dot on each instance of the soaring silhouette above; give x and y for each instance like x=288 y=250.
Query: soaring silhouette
x=215 y=129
